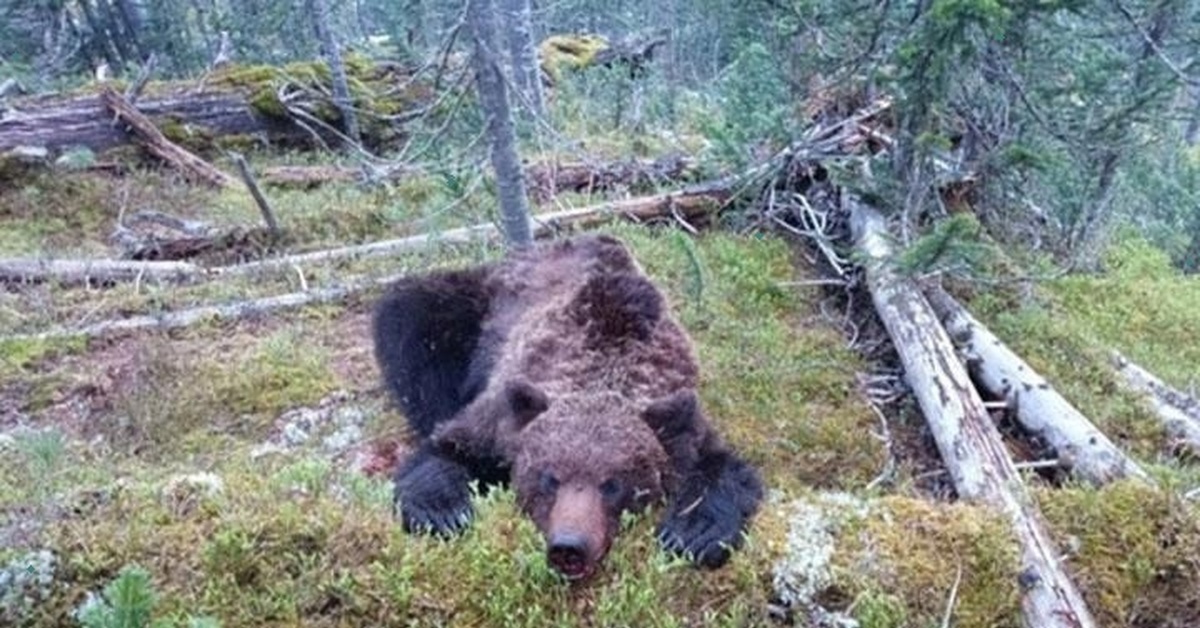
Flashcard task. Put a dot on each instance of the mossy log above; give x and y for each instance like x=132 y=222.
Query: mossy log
x=232 y=103
x=968 y=440
x=58 y=123
x=1081 y=447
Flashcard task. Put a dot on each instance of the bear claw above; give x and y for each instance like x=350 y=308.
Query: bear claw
x=705 y=540
x=441 y=523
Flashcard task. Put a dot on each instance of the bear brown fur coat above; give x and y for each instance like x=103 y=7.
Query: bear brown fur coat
x=561 y=369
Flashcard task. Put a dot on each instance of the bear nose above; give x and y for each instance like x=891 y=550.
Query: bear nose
x=568 y=555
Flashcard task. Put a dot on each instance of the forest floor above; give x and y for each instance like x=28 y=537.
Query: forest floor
x=235 y=462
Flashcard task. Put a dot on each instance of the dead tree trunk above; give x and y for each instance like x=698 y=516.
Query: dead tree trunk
x=969 y=442
x=1081 y=447
x=493 y=99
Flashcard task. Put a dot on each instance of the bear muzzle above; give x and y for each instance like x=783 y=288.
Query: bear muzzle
x=576 y=534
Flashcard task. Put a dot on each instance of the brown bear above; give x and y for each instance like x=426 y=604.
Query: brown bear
x=560 y=368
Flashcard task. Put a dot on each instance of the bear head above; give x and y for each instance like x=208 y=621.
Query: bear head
x=579 y=461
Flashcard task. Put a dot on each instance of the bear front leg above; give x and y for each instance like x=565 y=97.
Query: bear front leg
x=712 y=508
x=433 y=494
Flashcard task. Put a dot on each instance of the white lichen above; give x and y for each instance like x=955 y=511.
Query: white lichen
x=805 y=570
x=334 y=423
x=25 y=581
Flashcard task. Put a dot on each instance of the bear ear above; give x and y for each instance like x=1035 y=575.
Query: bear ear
x=673 y=415
x=526 y=401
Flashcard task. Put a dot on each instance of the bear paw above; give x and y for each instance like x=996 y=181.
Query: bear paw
x=434 y=496
x=706 y=531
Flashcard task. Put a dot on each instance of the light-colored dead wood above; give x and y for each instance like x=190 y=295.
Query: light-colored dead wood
x=1036 y=405
x=217 y=313
x=969 y=443
x=154 y=141
x=1169 y=404
x=94 y=272
x=264 y=207
x=688 y=202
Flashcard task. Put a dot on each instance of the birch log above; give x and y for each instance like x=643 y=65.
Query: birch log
x=1169 y=405
x=101 y=271
x=969 y=443
x=1081 y=447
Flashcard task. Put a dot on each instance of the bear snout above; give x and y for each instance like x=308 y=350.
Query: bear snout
x=568 y=554
x=577 y=532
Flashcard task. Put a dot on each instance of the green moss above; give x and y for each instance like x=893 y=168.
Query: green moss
x=282 y=372
x=559 y=52
x=194 y=137
x=378 y=92
x=895 y=561
x=778 y=386
x=19 y=356
x=1133 y=552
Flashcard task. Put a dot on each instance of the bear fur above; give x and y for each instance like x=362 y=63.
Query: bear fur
x=561 y=369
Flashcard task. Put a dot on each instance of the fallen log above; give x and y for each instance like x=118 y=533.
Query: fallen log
x=687 y=203
x=184 y=318
x=1081 y=448
x=544 y=180
x=157 y=144
x=682 y=205
x=94 y=272
x=969 y=443
x=232 y=101
x=1170 y=405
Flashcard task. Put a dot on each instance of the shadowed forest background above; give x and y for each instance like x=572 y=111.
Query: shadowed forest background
x=201 y=201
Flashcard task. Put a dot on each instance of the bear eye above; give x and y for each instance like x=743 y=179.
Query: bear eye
x=547 y=483
x=610 y=488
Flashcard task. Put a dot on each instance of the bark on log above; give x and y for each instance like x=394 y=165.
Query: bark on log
x=157 y=143
x=74 y=272
x=969 y=442
x=1178 y=411
x=1039 y=409
x=57 y=123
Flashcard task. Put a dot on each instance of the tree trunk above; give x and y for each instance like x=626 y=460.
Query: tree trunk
x=1081 y=448
x=337 y=71
x=969 y=442
x=522 y=52
x=493 y=100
